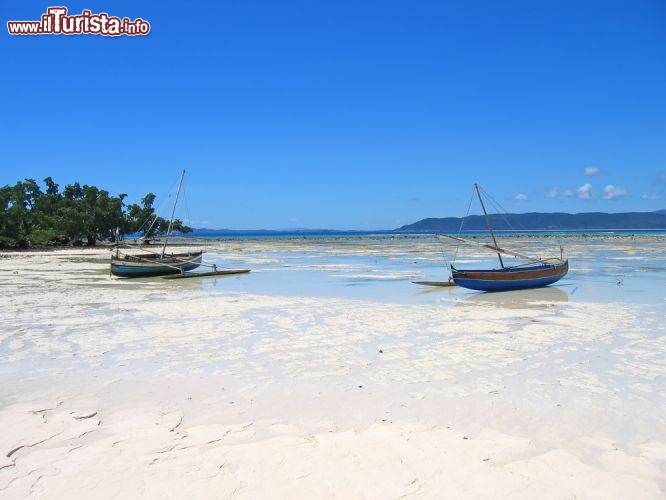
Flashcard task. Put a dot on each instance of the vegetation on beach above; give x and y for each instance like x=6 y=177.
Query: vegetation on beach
x=77 y=215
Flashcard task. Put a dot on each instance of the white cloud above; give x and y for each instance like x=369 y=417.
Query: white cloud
x=553 y=193
x=649 y=197
x=568 y=193
x=521 y=197
x=592 y=171
x=613 y=192
x=584 y=192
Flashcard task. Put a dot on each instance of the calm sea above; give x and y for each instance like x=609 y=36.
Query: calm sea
x=622 y=265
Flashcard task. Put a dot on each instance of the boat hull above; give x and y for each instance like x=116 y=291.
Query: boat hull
x=135 y=266
x=515 y=278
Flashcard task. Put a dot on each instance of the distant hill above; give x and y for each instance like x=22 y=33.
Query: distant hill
x=544 y=222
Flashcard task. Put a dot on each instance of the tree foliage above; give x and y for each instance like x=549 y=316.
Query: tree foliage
x=76 y=215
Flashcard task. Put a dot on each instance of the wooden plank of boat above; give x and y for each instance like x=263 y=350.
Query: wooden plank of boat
x=202 y=275
x=517 y=278
x=136 y=266
x=434 y=283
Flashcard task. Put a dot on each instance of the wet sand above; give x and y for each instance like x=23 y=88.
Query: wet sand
x=255 y=387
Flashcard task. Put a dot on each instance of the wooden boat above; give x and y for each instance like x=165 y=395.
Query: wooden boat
x=129 y=265
x=510 y=278
x=533 y=274
x=162 y=264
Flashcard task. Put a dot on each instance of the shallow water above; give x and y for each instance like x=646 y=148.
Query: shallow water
x=602 y=269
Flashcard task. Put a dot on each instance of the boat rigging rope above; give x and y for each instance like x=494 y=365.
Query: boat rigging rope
x=156 y=213
x=460 y=229
x=502 y=212
x=188 y=220
x=147 y=232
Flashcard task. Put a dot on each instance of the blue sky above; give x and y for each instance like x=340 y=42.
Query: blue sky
x=346 y=114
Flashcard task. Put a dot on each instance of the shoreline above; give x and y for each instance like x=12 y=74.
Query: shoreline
x=198 y=240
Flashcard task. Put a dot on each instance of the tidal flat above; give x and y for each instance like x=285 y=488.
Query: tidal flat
x=327 y=373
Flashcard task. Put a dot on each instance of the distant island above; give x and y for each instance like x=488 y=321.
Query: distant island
x=542 y=222
x=502 y=222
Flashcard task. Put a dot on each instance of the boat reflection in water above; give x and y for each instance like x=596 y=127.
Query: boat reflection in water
x=537 y=298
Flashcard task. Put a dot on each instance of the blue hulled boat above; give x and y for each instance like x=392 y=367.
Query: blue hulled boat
x=534 y=273
x=510 y=278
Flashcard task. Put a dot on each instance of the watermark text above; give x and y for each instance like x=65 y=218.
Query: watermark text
x=56 y=21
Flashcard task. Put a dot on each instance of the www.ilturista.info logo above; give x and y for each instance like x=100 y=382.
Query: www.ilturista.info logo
x=57 y=22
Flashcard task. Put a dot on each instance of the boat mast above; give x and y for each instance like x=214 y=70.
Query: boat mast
x=490 y=226
x=173 y=211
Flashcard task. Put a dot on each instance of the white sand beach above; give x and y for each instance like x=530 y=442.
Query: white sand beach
x=228 y=388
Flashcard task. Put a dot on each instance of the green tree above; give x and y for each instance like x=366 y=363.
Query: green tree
x=48 y=227
x=9 y=227
x=90 y=213
x=29 y=216
x=17 y=220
